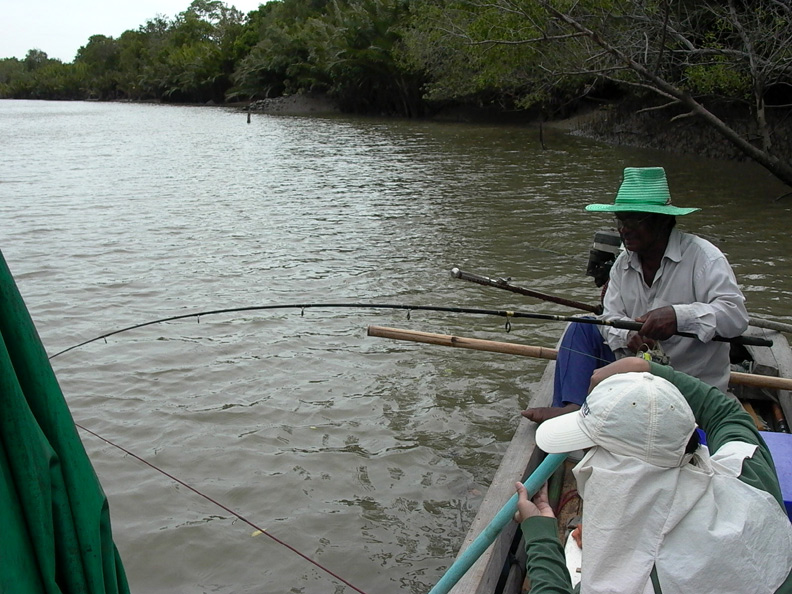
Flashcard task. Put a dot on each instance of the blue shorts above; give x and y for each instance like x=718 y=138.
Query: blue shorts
x=582 y=351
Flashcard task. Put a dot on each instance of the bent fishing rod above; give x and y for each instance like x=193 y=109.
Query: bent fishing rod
x=622 y=324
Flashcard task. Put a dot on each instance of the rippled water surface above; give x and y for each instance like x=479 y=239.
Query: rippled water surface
x=367 y=455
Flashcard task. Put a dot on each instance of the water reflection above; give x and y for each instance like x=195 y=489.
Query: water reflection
x=368 y=455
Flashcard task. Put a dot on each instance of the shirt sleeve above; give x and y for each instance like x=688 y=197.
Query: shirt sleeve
x=723 y=421
x=614 y=308
x=719 y=307
x=700 y=286
x=545 y=566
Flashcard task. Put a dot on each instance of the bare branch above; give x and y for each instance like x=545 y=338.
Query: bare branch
x=523 y=41
x=784 y=5
x=666 y=17
x=658 y=107
x=682 y=116
x=652 y=88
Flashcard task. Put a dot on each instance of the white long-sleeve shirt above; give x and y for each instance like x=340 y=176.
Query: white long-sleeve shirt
x=697 y=280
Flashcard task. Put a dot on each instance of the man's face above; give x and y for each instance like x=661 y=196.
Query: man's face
x=639 y=230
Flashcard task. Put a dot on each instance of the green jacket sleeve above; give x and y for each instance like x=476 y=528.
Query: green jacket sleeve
x=723 y=420
x=545 y=566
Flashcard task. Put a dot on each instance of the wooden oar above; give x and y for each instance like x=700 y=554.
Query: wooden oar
x=510 y=348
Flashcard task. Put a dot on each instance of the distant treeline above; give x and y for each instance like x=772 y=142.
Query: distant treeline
x=407 y=57
x=211 y=52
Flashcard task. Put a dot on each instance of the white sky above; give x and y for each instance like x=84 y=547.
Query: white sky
x=61 y=27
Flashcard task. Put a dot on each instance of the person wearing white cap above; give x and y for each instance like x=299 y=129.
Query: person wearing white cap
x=669 y=280
x=659 y=517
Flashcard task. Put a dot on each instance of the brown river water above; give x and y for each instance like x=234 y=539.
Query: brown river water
x=367 y=455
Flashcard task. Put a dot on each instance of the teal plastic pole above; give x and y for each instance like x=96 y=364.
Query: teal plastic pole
x=466 y=560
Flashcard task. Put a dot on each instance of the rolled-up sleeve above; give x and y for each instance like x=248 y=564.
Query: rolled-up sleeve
x=719 y=307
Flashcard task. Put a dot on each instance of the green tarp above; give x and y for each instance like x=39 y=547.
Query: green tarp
x=55 y=534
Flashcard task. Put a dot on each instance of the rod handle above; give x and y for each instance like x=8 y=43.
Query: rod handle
x=744 y=340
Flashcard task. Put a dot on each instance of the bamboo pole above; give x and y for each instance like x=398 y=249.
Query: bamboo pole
x=476 y=344
x=510 y=348
x=770 y=325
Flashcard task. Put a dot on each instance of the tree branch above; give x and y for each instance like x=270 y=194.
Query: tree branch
x=659 y=107
x=780 y=168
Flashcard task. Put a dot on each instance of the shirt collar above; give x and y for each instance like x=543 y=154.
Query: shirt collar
x=674 y=248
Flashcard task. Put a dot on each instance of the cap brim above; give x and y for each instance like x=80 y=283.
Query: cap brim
x=563 y=433
x=660 y=209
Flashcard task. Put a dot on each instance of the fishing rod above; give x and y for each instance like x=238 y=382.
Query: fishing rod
x=503 y=283
x=621 y=324
x=300 y=306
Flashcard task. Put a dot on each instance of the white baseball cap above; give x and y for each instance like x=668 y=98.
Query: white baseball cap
x=632 y=414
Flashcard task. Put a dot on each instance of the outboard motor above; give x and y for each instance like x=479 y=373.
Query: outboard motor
x=607 y=244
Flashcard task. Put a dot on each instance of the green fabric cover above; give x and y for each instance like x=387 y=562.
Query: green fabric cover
x=55 y=534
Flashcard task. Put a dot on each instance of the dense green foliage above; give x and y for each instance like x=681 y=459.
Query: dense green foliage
x=348 y=49
x=406 y=57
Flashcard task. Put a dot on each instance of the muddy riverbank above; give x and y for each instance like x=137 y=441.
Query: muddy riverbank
x=621 y=124
x=625 y=124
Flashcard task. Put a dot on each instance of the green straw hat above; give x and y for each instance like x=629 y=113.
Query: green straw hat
x=643 y=189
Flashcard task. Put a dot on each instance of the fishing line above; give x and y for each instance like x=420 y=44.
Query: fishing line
x=223 y=507
x=301 y=307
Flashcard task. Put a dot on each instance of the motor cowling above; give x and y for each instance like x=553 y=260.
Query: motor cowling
x=603 y=253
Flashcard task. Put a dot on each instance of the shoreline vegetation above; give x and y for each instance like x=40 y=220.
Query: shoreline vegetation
x=714 y=79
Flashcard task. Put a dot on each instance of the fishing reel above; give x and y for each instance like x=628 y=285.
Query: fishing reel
x=607 y=244
x=654 y=355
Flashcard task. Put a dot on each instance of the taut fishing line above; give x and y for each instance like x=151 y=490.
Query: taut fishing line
x=223 y=507
x=302 y=307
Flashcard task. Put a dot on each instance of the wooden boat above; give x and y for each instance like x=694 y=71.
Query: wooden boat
x=501 y=569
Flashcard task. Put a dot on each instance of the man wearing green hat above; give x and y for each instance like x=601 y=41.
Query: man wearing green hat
x=670 y=281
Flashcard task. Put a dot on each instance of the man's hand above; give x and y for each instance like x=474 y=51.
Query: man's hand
x=538 y=506
x=542 y=413
x=638 y=342
x=659 y=324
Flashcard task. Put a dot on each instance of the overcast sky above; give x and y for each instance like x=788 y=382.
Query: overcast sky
x=61 y=27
